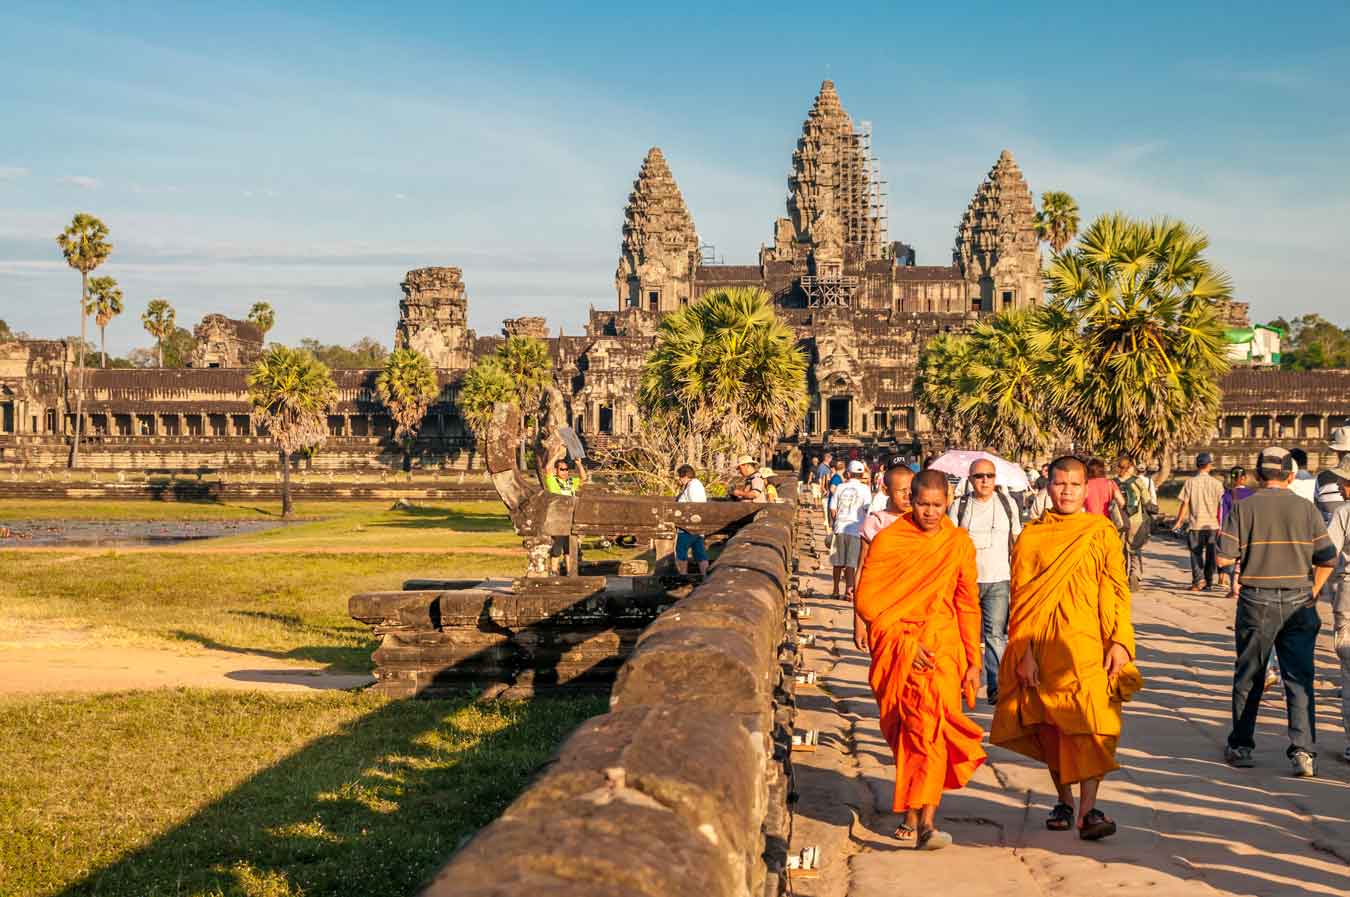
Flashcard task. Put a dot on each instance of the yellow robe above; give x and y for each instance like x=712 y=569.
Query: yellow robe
x=918 y=588
x=1070 y=600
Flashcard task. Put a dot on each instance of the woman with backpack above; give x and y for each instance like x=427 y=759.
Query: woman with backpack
x=1135 y=492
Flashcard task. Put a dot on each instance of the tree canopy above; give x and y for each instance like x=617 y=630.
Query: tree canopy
x=291 y=394
x=1311 y=342
x=407 y=386
x=1057 y=221
x=262 y=316
x=364 y=354
x=484 y=385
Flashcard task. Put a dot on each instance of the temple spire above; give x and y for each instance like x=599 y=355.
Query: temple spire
x=659 y=251
x=997 y=248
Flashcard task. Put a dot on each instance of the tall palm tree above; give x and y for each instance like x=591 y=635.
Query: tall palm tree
x=1138 y=346
x=943 y=365
x=407 y=386
x=728 y=370
x=1001 y=393
x=159 y=321
x=104 y=303
x=291 y=393
x=1057 y=221
x=527 y=362
x=262 y=316
x=84 y=243
x=484 y=385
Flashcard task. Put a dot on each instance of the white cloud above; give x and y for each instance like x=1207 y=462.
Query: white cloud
x=13 y=172
x=82 y=181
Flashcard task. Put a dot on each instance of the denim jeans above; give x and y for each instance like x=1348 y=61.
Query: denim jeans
x=1202 y=543
x=1286 y=621
x=993 y=631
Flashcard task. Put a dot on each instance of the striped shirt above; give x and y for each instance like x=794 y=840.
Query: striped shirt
x=1278 y=537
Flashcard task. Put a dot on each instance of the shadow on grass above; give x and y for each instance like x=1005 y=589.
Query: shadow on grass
x=335 y=658
x=446 y=518
x=373 y=809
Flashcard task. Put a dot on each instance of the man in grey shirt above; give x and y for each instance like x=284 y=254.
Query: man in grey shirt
x=1280 y=540
x=1200 y=499
x=992 y=520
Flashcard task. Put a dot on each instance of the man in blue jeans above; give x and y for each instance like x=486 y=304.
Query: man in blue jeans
x=1286 y=558
x=993 y=522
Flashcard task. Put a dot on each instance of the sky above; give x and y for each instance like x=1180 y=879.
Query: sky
x=308 y=156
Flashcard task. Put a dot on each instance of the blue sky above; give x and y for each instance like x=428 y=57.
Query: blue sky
x=311 y=156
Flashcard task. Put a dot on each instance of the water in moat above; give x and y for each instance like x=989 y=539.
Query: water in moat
x=121 y=533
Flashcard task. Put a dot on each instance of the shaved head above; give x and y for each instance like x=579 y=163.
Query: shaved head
x=1066 y=463
x=929 y=479
x=897 y=488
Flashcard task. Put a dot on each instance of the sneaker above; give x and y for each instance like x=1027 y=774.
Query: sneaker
x=1238 y=758
x=1304 y=763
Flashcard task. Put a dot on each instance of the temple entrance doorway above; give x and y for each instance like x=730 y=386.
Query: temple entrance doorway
x=838 y=413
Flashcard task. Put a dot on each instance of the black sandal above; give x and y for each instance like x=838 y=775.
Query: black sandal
x=1061 y=818
x=1096 y=826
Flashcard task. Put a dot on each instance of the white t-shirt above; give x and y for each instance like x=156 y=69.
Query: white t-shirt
x=851 y=501
x=693 y=491
x=988 y=525
x=879 y=502
x=1304 y=486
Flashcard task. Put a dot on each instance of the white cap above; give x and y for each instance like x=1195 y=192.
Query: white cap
x=856 y=466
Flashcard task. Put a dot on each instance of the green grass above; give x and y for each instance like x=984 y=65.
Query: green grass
x=285 y=605
x=99 y=509
x=205 y=794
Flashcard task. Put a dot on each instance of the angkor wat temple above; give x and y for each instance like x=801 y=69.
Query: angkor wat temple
x=861 y=305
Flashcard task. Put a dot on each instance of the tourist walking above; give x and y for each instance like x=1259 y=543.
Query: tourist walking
x=917 y=604
x=1329 y=479
x=1200 y=499
x=753 y=487
x=1278 y=540
x=1103 y=495
x=851 y=500
x=811 y=477
x=1338 y=591
x=1069 y=664
x=1237 y=490
x=993 y=523
x=823 y=474
x=1136 y=497
x=691 y=490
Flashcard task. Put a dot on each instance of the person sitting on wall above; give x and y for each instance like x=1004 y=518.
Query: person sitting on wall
x=754 y=488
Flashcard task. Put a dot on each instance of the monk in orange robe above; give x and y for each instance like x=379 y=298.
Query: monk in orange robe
x=920 y=606
x=1069 y=661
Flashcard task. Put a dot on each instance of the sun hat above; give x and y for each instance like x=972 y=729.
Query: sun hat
x=856 y=466
x=746 y=459
x=1340 y=440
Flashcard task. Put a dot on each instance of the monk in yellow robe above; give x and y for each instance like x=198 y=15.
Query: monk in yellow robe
x=1069 y=661
x=918 y=601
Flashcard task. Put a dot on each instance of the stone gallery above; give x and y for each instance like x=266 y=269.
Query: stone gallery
x=862 y=307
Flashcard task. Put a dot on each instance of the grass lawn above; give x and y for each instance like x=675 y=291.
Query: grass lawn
x=99 y=509
x=279 y=605
x=205 y=794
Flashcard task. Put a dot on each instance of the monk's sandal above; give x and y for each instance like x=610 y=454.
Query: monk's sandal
x=1061 y=818
x=1096 y=826
x=905 y=832
x=932 y=839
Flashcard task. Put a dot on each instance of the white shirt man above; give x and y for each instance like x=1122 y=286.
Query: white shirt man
x=851 y=501
x=992 y=520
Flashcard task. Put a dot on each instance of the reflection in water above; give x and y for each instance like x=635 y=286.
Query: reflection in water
x=121 y=533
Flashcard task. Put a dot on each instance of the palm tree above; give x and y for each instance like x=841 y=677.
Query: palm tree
x=104 y=303
x=85 y=246
x=262 y=316
x=291 y=393
x=484 y=385
x=1001 y=393
x=1137 y=345
x=1057 y=221
x=727 y=370
x=158 y=321
x=407 y=386
x=527 y=362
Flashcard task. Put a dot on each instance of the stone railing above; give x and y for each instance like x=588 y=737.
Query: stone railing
x=682 y=787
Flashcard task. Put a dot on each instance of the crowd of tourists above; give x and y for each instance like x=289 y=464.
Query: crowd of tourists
x=958 y=581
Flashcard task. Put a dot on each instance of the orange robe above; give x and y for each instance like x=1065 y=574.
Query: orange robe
x=1070 y=599
x=919 y=588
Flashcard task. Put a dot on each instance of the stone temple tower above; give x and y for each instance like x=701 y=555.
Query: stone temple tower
x=997 y=249
x=434 y=318
x=833 y=194
x=659 y=254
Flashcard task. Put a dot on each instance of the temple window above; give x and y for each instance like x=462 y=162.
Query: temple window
x=654 y=299
x=1008 y=297
x=879 y=420
x=606 y=422
x=975 y=303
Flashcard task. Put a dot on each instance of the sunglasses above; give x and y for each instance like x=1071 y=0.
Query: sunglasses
x=982 y=476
